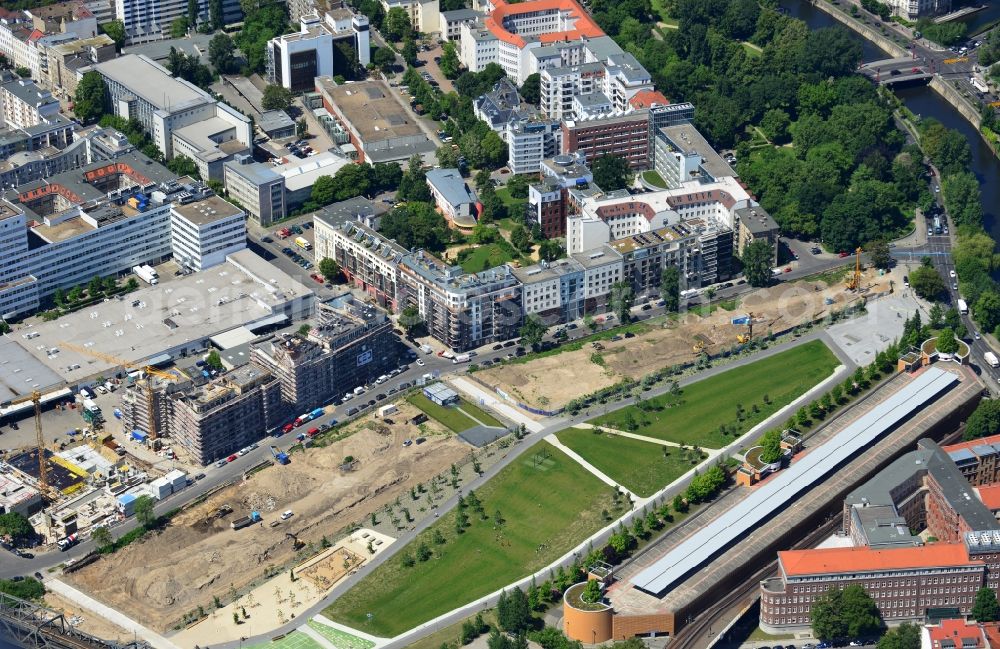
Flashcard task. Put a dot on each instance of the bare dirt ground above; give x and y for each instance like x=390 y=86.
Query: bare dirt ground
x=552 y=381
x=87 y=622
x=198 y=556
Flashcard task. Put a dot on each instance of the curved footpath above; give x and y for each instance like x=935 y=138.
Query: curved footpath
x=540 y=431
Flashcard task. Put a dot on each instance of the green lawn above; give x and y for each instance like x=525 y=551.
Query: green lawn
x=548 y=504
x=695 y=417
x=338 y=638
x=480 y=414
x=752 y=50
x=515 y=206
x=640 y=467
x=294 y=640
x=653 y=178
x=484 y=257
x=449 y=416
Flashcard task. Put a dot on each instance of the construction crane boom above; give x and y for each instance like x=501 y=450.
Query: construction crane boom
x=36 y=399
x=148 y=369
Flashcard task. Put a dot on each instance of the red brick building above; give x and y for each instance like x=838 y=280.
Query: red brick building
x=626 y=136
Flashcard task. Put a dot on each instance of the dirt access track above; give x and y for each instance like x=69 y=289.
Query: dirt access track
x=167 y=575
x=550 y=382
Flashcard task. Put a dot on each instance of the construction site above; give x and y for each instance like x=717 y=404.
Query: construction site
x=168 y=576
x=551 y=381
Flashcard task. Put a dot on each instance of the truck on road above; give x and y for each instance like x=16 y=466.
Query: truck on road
x=68 y=542
x=147 y=274
x=978 y=85
x=245 y=521
x=992 y=359
x=461 y=358
x=318 y=412
x=279 y=456
x=963 y=308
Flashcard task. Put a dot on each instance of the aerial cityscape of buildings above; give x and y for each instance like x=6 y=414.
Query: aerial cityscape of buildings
x=276 y=328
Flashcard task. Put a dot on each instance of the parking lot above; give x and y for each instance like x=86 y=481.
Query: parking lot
x=429 y=60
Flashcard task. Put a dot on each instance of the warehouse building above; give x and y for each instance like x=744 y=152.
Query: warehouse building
x=380 y=127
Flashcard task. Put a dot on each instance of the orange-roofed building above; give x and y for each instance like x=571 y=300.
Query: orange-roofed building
x=906 y=582
x=992 y=632
x=978 y=460
x=990 y=495
x=647 y=99
x=956 y=634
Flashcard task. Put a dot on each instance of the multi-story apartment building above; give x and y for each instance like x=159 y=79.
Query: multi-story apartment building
x=914 y=10
x=369 y=260
x=205 y=232
x=548 y=199
x=209 y=419
x=561 y=84
x=425 y=15
x=61 y=63
x=294 y=60
x=462 y=310
x=24 y=104
x=452 y=21
x=350 y=345
x=683 y=154
x=556 y=291
x=753 y=224
x=139 y=88
x=529 y=141
x=149 y=20
x=17 y=40
x=978 y=460
x=29 y=154
x=502 y=105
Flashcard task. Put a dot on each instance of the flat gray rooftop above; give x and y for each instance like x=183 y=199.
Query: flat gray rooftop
x=688 y=139
x=152 y=83
x=20 y=372
x=774 y=494
x=167 y=316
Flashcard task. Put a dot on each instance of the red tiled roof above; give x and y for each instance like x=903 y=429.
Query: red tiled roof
x=959 y=632
x=584 y=25
x=646 y=98
x=990 y=495
x=992 y=631
x=976 y=442
x=859 y=559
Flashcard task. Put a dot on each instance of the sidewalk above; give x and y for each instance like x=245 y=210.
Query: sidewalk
x=108 y=613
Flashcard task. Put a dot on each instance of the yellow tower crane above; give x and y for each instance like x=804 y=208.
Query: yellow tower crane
x=149 y=370
x=854 y=283
x=36 y=399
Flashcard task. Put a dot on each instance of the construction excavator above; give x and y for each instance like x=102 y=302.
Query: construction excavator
x=148 y=370
x=297 y=543
x=699 y=346
x=748 y=336
x=854 y=281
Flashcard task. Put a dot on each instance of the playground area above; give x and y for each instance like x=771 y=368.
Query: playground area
x=278 y=600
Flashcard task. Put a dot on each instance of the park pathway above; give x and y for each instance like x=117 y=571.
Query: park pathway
x=554 y=441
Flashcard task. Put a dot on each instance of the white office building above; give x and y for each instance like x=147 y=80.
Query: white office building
x=147 y=20
x=294 y=60
x=141 y=89
x=204 y=232
x=529 y=141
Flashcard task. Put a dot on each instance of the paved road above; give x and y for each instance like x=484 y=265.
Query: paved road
x=553 y=425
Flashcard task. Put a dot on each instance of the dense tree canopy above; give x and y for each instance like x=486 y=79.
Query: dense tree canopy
x=757 y=258
x=276 y=98
x=611 y=172
x=927 y=282
x=417 y=225
x=221 y=54
x=984 y=420
x=89 y=101
x=847 y=613
x=905 y=636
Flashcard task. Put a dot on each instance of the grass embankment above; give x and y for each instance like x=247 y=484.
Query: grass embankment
x=641 y=467
x=453 y=417
x=548 y=503
x=696 y=415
